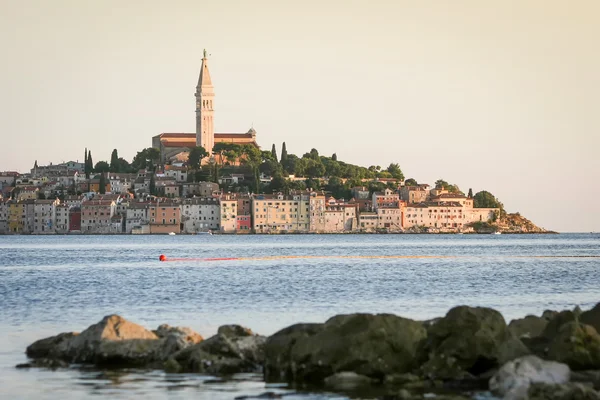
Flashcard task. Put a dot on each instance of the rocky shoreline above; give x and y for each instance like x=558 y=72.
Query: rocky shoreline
x=469 y=351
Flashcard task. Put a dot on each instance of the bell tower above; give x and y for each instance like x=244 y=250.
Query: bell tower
x=205 y=93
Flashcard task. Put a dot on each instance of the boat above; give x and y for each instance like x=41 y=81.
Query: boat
x=497 y=233
x=205 y=233
x=172 y=233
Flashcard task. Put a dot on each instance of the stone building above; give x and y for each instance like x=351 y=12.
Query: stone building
x=200 y=214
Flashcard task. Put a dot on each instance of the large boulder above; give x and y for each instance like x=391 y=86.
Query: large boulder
x=513 y=379
x=591 y=317
x=86 y=346
x=187 y=334
x=233 y=349
x=278 y=348
x=114 y=342
x=465 y=343
x=576 y=344
x=530 y=326
x=568 y=391
x=367 y=344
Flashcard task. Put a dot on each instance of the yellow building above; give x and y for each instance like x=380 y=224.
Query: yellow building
x=16 y=216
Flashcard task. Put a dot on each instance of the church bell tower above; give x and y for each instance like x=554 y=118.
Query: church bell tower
x=205 y=93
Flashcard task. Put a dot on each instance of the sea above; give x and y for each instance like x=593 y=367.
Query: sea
x=53 y=284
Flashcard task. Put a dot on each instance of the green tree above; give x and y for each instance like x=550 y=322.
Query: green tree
x=485 y=199
x=314 y=169
x=233 y=153
x=220 y=149
x=86 y=166
x=102 y=184
x=149 y=155
x=441 y=184
x=152 y=185
x=284 y=156
x=334 y=157
x=123 y=165
x=114 y=161
x=279 y=183
x=14 y=182
x=410 y=182
x=274 y=152
x=395 y=171
x=253 y=158
x=470 y=195
x=90 y=162
x=101 y=166
x=195 y=157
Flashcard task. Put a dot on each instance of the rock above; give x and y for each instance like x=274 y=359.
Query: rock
x=223 y=354
x=50 y=363
x=530 y=326
x=51 y=347
x=570 y=391
x=577 y=345
x=514 y=378
x=591 y=317
x=189 y=335
x=554 y=325
x=85 y=346
x=510 y=349
x=347 y=381
x=404 y=394
x=278 y=347
x=171 y=366
x=401 y=379
x=466 y=342
x=125 y=353
x=590 y=377
x=367 y=344
x=235 y=331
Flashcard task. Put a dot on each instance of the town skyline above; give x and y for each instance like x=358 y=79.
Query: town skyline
x=482 y=107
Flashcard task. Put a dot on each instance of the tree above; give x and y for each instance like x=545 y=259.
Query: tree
x=233 y=153
x=441 y=184
x=470 y=195
x=334 y=157
x=219 y=149
x=102 y=184
x=284 y=155
x=140 y=161
x=196 y=155
x=395 y=171
x=86 y=165
x=274 y=152
x=410 y=182
x=152 y=185
x=114 y=161
x=14 y=182
x=90 y=163
x=314 y=169
x=101 y=166
x=252 y=158
x=485 y=199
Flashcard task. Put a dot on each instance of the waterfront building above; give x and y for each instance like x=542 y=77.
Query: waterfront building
x=165 y=217
x=340 y=216
x=4 y=216
x=228 y=217
x=44 y=216
x=62 y=218
x=16 y=216
x=137 y=215
x=200 y=214
x=96 y=216
x=285 y=213
x=74 y=219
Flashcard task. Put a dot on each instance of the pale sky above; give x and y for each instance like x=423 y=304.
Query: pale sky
x=491 y=95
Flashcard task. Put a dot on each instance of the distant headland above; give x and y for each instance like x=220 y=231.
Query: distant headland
x=226 y=183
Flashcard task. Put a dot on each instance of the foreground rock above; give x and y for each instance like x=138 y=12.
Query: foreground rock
x=116 y=342
x=513 y=380
x=366 y=344
x=233 y=349
x=467 y=342
x=555 y=356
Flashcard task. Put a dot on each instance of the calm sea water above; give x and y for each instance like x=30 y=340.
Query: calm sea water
x=63 y=283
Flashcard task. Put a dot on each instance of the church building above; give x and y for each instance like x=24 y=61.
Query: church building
x=175 y=146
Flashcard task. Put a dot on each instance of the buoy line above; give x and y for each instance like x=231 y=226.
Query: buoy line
x=164 y=258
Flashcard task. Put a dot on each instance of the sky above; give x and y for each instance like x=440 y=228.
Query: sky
x=490 y=95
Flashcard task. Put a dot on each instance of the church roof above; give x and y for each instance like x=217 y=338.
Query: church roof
x=189 y=139
x=204 y=79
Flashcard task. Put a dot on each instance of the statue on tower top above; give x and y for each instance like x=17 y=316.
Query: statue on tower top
x=204 y=53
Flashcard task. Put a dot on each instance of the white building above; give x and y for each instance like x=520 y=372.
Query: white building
x=228 y=218
x=136 y=216
x=44 y=216
x=200 y=215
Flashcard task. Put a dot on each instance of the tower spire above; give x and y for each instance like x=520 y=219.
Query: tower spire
x=205 y=93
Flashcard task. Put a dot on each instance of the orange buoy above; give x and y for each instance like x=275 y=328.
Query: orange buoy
x=162 y=257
